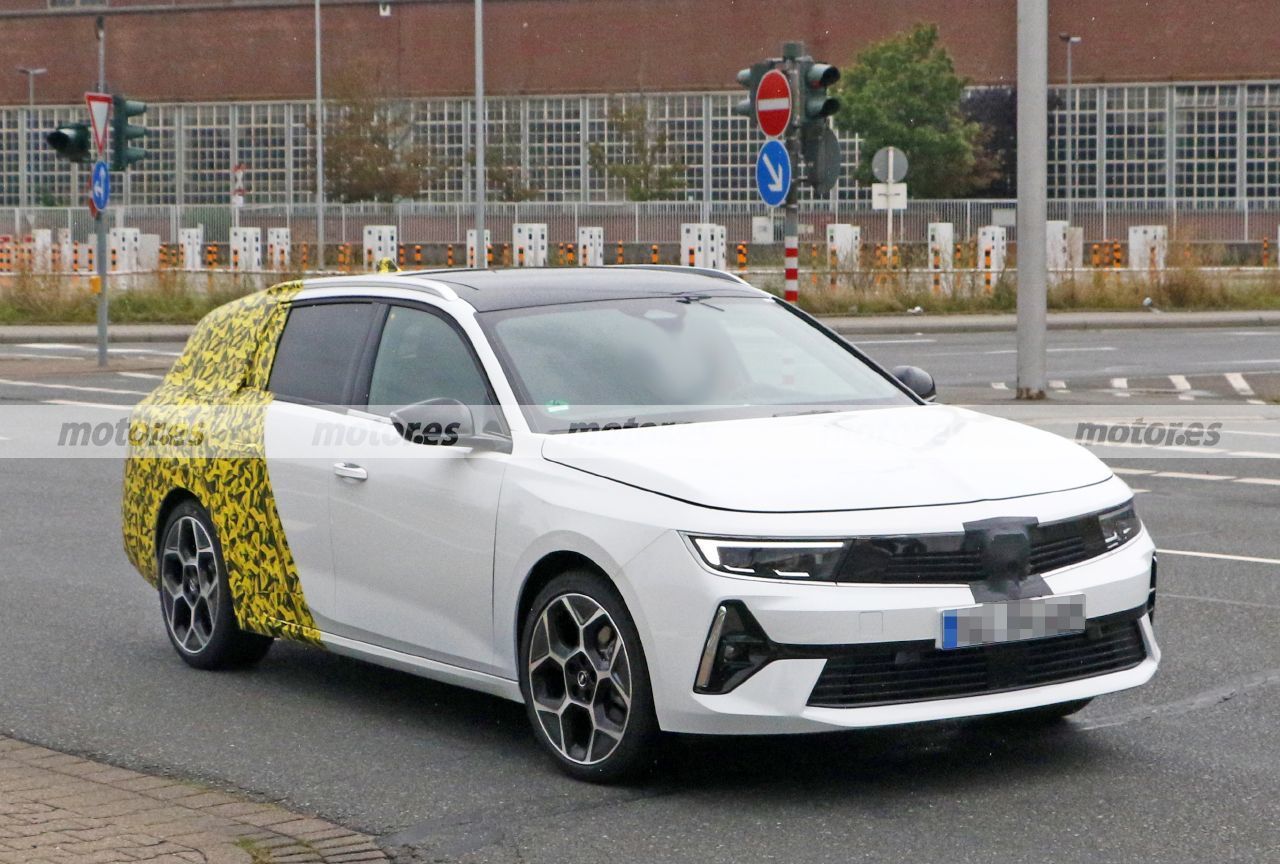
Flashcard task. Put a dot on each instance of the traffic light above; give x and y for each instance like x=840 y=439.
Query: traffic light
x=815 y=104
x=749 y=78
x=71 y=142
x=122 y=132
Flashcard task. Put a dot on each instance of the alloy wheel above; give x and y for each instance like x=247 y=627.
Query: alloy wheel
x=579 y=678
x=189 y=584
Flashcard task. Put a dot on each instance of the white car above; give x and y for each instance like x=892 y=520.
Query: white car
x=635 y=499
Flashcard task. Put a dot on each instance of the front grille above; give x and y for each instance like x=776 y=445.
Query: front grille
x=891 y=674
x=950 y=558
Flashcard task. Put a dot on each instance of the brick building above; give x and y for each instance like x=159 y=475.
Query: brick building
x=1174 y=99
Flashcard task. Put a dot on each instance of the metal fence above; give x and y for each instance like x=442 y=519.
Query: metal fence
x=659 y=222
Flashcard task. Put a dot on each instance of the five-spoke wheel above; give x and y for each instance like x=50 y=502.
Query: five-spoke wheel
x=584 y=678
x=195 y=597
x=189 y=584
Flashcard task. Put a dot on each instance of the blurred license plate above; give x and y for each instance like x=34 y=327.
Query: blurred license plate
x=1017 y=620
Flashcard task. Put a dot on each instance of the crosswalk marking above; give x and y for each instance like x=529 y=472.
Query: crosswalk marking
x=1183 y=475
x=1121 y=386
x=999 y=385
x=145 y=376
x=1134 y=471
x=1259 y=481
x=79 y=404
x=1241 y=386
x=1183 y=386
x=1059 y=385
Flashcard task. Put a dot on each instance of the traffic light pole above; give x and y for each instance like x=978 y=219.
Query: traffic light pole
x=100 y=220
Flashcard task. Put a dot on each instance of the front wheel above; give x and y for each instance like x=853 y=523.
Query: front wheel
x=585 y=681
x=195 y=596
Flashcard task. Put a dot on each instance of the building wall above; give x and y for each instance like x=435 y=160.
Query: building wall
x=214 y=50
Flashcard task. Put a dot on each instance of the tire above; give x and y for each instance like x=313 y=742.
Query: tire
x=580 y=654
x=1047 y=714
x=195 y=597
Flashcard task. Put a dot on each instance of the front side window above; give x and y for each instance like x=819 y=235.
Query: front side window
x=422 y=357
x=319 y=351
x=630 y=362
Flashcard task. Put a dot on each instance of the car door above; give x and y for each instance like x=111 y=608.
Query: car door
x=413 y=523
x=317 y=360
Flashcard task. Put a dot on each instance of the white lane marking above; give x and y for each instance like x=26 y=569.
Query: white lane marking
x=27 y=355
x=1089 y=349
x=892 y=341
x=80 y=404
x=1253 y=454
x=1138 y=491
x=72 y=387
x=999 y=385
x=1182 y=475
x=1059 y=385
x=1121 y=386
x=1220 y=556
x=1259 y=481
x=146 y=376
x=1183 y=386
x=1241 y=386
x=59 y=346
x=90 y=349
x=1133 y=470
x=1223 y=600
x=1259 y=434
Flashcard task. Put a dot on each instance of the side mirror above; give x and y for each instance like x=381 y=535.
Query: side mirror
x=917 y=381
x=445 y=423
x=441 y=422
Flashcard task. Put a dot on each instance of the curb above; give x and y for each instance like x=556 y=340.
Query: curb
x=853 y=326
x=843 y=324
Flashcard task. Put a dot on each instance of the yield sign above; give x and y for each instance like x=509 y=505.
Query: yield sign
x=99 y=107
x=773 y=103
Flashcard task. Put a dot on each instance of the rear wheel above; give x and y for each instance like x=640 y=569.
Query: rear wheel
x=195 y=597
x=585 y=681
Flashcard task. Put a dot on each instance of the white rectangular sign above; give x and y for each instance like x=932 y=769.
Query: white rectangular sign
x=888 y=196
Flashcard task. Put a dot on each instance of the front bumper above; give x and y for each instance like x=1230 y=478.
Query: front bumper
x=677 y=612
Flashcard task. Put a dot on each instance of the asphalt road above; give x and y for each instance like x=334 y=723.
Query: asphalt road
x=1185 y=769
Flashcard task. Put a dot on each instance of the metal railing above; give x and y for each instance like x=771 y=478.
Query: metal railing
x=1189 y=221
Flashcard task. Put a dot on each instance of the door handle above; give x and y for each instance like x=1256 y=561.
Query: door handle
x=351 y=472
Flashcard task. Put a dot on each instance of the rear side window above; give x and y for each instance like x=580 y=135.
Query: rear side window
x=318 y=352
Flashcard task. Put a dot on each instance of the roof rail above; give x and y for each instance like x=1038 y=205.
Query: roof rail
x=691 y=271
x=386 y=280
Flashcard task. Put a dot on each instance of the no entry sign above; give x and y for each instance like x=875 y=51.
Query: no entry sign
x=773 y=103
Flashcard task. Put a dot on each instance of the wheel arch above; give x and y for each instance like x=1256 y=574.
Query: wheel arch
x=546 y=568
x=175 y=496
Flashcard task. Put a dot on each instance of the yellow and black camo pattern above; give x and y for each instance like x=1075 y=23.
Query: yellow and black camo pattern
x=215 y=401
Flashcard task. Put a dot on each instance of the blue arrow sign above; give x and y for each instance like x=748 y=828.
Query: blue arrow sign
x=100 y=191
x=773 y=173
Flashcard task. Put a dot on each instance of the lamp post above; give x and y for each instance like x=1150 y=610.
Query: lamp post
x=319 y=150
x=1071 y=126
x=482 y=250
x=24 y=178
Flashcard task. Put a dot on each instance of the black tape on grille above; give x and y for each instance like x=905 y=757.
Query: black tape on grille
x=1005 y=546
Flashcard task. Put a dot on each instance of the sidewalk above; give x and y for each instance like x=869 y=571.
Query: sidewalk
x=860 y=325
x=60 y=809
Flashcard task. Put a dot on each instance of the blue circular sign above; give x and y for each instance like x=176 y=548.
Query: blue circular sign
x=100 y=191
x=773 y=173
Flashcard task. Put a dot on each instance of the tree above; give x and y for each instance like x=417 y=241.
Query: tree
x=995 y=110
x=370 y=151
x=905 y=92
x=642 y=165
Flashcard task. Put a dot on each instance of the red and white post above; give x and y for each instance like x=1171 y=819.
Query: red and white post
x=792 y=265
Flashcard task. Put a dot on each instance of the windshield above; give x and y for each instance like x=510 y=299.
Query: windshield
x=625 y=363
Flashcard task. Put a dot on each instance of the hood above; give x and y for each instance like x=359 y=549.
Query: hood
x=907 y=456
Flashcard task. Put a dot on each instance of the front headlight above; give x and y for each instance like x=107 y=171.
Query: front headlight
x=1119 y=526
x=818 y=560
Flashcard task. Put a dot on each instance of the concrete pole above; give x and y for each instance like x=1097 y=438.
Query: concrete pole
x=100 y=221
x=1033 y=153
x=319 y=150
x=482 y=251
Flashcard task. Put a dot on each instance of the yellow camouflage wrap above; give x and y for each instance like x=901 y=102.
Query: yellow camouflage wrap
x=214 y=401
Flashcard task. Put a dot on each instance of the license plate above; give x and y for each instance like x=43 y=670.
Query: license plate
x=1015 y=621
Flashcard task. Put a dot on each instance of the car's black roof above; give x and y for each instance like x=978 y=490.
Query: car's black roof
x=492 y=290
